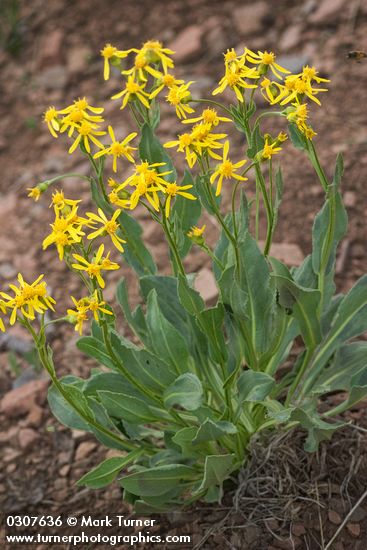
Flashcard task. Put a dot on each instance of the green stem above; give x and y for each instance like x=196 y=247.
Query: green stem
x=298 y=378
x=172 y=244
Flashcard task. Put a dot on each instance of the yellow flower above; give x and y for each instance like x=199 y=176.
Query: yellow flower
x=82 y=307
x=226 y=170
x=196 y=234
x=155 y=53
x=109 y=227
x=94 y=268
x=28 y=299
x=295 y=89
x=178 y=96
x=108 y=53
x=172 y=190
x=2 y=310
x=87 y=131
x=115 y=199
x=208 y=116
x=132 y=92
x=66 y=230
x=34 y=193
x=165 y=81
x=308 y=132
x=118 y=148
x=59 y=201
x=51 y=118
x=269 y=149
x=271 y=91
x=184 y=145
x=234 y=77
x=265 y=60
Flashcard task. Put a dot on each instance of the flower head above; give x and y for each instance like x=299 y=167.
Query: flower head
x=28 y=299
x=226 y=170
x=94 y=268
x=118 y=149
x=108 y=227
x=172 y=190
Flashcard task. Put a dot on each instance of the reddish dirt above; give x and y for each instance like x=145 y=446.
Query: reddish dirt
x=40 y=475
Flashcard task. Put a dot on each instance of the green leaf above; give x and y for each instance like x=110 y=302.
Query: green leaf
x=157 y=481
x=216 y=470
x=111 y=381
x=257 y=142
x=151 y=371
x=205 y=198
x=96 y=349
x=254 y=386
x=184 y=439
x=125 y=407
x=254 y=280
x=166 y=341
x=107 y=471
x=186 y=391
x=350 y=321
x=211 y=431
x=318 y=429
x=185 y=215
x=136 y=254
x=232 y=294
x=151 y=150
x=64 y=413
x=324 y=231
x=339 y=170
x=211 y=322
x=297 y=138
x=304 y=303
x=136 y=323
x=348 y=361
x=189 y=297
x=168 y=301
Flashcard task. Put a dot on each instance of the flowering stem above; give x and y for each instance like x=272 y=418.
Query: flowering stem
x=178 y=263
x=317 y=166
x=234 y=201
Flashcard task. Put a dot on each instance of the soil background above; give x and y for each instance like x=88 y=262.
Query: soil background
x=53 y=59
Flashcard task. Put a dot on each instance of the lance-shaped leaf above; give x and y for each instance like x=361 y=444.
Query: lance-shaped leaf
x=128 y=408
x=184 y=438
x=254 y=280
x=165 y=340
x=232 y=294
x=327 y=231
x=64 y=412
x=211 y=323
x=185 y=215
x=151 y=371
x=135 y=320
x=303 y=302
x=135 y=252
x=189 y=297
x=107 y=471
x=186 y=391
x=95 y=348
x=216 y=470
x=254 y=386
x=350 y=321
x=168 y=301
x=211 y=430
x=349 y=361
x=151 y=150
x=157 y=481
x=318 y=429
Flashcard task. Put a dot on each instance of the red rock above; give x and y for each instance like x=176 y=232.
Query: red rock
x=20 y=401
x=249 y=19
x=291 y=37
x=334 y=517
x=51 y=49
x=298 y=529
x=35 y=416
x=78 y=59
x=290 y=254
x=27 y=438
x=354 y=529
x=85 y=449
x=328 y=11
x=350 y=199
x=187 y=43
x=206 y=286
x=8 y=203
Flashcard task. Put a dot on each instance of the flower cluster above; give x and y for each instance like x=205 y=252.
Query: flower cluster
x=27 y=300
x=91 y=304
